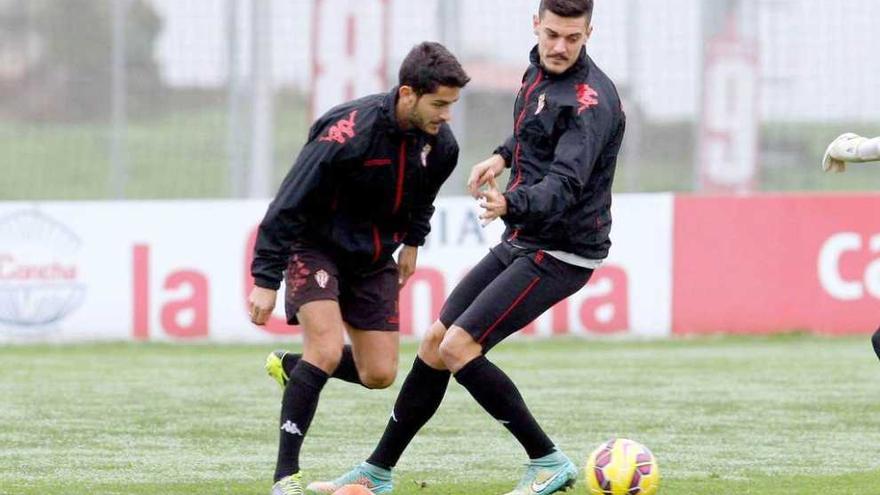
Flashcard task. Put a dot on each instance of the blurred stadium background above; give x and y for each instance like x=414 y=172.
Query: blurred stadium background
x=144 y=99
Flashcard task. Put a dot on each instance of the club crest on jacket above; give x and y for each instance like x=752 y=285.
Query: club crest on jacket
x=322 y=277
x=542 y=100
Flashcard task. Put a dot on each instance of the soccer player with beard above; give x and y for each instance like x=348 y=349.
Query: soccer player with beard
x=568 y=128
x=363 y=185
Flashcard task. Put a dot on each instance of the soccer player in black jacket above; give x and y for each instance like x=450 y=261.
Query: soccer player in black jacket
x=363 y=185
x=568 y=128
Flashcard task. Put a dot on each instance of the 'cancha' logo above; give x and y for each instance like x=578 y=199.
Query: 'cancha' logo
x=39 y=277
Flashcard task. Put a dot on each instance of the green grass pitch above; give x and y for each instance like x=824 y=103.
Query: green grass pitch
x=759 y=416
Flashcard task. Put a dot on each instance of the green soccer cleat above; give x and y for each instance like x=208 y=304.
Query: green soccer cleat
x=275 y=367
x=378 y=480
x=289 y=485
x=549 y=474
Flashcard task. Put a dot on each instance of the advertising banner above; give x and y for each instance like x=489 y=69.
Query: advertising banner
x=777 y=263
x=179 y=271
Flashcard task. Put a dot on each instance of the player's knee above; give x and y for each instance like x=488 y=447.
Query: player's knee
x=429 y=348
x=447 y=351
x=325 y=357
x=429 y=353
x=454 y=351
x=378 y=378
x=458 y=348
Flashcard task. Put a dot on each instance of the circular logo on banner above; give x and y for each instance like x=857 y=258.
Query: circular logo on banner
x=39 y=277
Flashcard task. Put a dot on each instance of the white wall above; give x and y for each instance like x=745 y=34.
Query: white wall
x=816 y=57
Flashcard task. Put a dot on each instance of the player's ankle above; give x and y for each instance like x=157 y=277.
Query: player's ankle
x=376 y=471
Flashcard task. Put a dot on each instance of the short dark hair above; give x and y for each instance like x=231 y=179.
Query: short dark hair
x=567 y=8
x=430 y=65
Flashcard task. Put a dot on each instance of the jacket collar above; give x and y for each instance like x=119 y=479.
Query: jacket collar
x=389 y=115
x=582 y=64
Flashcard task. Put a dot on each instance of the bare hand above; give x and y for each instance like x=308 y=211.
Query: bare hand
x=261 y=302
x=482 y=172
x=406 y=263
x=493 y=202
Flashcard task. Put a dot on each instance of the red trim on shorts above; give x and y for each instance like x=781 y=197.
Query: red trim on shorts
x=377 y=162
x=515 y=303
x=513 y=236
x=401 y=171
x=377 y=244
x=539 y=257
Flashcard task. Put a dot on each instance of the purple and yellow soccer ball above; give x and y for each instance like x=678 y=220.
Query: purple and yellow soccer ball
x=622 y=467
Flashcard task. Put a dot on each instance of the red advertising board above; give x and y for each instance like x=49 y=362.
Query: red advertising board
x=775 y=263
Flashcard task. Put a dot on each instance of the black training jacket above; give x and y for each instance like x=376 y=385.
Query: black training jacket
x=360 y=187
x=567 y=132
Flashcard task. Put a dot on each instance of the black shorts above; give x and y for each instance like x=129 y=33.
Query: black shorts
x=367 y=300
x=507 y=290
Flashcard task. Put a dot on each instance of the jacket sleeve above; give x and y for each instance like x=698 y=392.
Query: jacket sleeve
x=278 y=229
x=576 y=153
x=506 y=150
x=423 y=210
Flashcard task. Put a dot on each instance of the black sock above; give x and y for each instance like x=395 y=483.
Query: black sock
x=875 y=340
x=297 y=409
x=346 y=371
x=498 y=395
x=418 y=400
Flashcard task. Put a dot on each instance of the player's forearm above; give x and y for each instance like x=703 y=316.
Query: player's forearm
x=420 y=226
x=275 y=236
x=505 y=151
x=869 y=150
x=270 y=259
x=267 y=273
x=545 y=201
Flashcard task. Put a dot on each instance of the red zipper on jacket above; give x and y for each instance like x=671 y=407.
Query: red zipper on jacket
x=401 y=171
x=398 y=199
x=377 y=244
x=519 y=120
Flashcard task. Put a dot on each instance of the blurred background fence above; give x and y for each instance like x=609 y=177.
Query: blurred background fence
x=142 y=99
